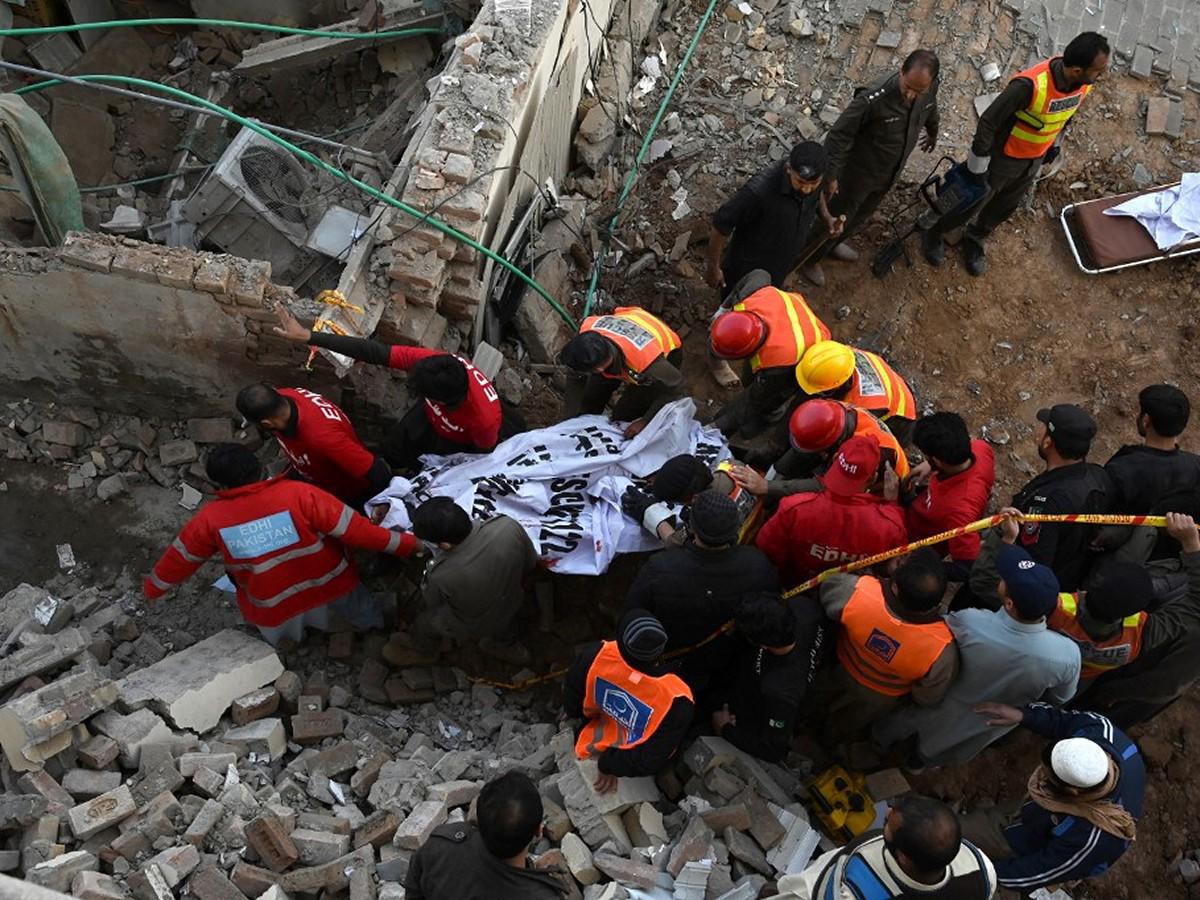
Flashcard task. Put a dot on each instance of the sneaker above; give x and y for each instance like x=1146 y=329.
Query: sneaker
x=814 y=273
x=974 y=257
x=724 y=374
x=844 y=252
x=933 y=247
x=506 y=651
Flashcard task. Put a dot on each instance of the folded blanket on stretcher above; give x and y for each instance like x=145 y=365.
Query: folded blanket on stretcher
x=1171 y=215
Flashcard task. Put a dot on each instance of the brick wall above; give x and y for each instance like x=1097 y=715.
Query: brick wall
x=119 y=324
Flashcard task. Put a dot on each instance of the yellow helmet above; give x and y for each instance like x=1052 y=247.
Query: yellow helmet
x=825 y=365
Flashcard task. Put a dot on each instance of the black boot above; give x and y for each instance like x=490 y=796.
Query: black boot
x=974 y=257
x=933 y=247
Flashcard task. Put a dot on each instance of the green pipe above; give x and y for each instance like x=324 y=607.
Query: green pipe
x=448 y=230
x=217 y=23
x=637 y=163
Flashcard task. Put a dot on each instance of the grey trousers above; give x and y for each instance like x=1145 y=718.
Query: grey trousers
x=357 y=607
x=985 y=829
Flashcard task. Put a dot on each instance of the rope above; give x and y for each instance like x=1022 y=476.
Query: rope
x=727 y=628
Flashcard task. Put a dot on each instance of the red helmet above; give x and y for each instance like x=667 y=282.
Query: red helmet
x=817 y=425
x=737 y=335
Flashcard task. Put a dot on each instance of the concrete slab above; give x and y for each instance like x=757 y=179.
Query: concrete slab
x=194 y=687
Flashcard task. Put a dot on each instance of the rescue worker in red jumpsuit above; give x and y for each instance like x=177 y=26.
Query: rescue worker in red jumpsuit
x=319 y=439
x=282 y=543
x=460 y=410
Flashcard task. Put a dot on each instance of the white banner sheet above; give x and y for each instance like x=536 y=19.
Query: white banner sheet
x=563 y=483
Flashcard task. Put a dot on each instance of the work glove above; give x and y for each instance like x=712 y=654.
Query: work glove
x=635 y=501
x=1051 y=155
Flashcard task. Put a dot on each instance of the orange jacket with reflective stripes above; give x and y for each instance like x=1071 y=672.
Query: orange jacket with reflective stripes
x=1098 y=657
x=623 y=706
x=1049 y=109
x=642 y=337
x=891 y=452
x=282 y=544
x=882 y=652
x=792 y=327
x=876 y=387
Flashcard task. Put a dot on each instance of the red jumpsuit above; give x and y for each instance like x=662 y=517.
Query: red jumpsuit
x=323 y=447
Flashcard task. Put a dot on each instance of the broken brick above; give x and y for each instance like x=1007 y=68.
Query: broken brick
x=311 y=727
x=272 y=843
x=254 y=706
x=378 y=830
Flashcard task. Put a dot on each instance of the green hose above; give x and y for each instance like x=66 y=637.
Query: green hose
x=217 y=23
x=310 y=158
x=637 y=163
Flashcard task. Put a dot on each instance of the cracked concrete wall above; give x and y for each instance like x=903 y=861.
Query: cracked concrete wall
x=118 y=324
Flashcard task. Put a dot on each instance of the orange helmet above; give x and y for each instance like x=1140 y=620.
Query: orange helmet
x=737 y=335
x=817 y=425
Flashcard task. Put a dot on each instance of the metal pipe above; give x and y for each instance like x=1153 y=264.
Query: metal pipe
x=163 y=101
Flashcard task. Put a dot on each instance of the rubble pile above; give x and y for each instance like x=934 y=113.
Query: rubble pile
x=106 y=453
x=208 y=769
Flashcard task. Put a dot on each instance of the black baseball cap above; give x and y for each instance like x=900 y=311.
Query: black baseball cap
x=1068 y=421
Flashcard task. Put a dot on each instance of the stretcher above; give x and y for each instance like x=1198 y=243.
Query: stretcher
x=1102 y=243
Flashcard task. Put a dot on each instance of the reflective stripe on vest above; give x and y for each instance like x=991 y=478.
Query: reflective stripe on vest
x=792 y=327
x=1098 y=657
x=878 y=388
x=623 y=706
x=866 y=422
x=642 y=337
x=882 y=652
x=749 y=507
x=1049 y=109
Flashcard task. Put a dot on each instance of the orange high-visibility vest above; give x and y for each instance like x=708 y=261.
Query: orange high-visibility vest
x=642 y=337
x=882 y=652
x=1098 y=657
x=792 y=327
x=750 y=508
x=877 y=388
x=1047 y=113
x=624 y=707
x=890 y=450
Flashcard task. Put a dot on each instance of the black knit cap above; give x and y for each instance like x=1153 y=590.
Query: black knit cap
x=680 y=477
x=714 y=519
x=641 y=637
x=1119 y=589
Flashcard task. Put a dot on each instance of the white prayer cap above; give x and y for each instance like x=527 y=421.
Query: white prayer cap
x=1079 y=762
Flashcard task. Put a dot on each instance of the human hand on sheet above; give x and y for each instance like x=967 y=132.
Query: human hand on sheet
x=634 y=428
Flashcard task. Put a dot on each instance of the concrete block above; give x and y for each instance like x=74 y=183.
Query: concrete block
x=886 y=784
x=319 y=847
x=364 y=779
x=594 y=827
x=455 y=793
x=693 y=844
x=211 y=813
x=379 y=829
x=733 y=816
x=210 y=883
x=309 y=728
x=745 y=851
x=626 y=871
x=333 y=876
x=175 y=863
x=458 y=168
x=190 y=763
x=255 y=705
x=207 y=782
x=250 y=280
x=84 y=252
x=67 y=434
x=322 y=822
x=212 y=276
x=132 y=732
x=20 y=809
x=58 y=800
x=708 y=751
x=1157 y=111
x=764 y=827
x=98 y=752
x=272 y=843
x=414 y=831
x=150 y=884
x=86 y=783
x=253 y=881
x=46 y=654
x=59 y=873
x=91 y=885
x=579 y=859
x=175 y=271
x=1143 y=61
x=101 y=812
x=338 y=759
x=178 y=453
x=793 y=854
x=217 y=430
x=264 y=737
x=195 y=687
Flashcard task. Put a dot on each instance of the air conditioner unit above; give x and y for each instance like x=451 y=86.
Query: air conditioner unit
x=259 y=202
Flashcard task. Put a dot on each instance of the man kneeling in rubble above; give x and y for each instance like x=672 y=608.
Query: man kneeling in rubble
x=282 y=544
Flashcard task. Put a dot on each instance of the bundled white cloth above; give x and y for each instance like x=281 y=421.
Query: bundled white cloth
x=563 y=483
x=1172 y=215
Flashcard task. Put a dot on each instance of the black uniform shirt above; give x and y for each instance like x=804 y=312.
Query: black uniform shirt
x=454 y=864
x=1080 y=487
x=769 y=221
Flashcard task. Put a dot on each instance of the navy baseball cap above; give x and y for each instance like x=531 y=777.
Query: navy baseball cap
x=1032 y=586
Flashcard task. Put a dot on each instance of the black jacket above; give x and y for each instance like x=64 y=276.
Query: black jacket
x=874 y=136
x=1147 y=481
x=1080 y=487
x=455 y=865
x=693 y=591
x=648 y=757
x=768 y=690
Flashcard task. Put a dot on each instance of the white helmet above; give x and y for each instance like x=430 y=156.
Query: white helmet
x=1079 y=762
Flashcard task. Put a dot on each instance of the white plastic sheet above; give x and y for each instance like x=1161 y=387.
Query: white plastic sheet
x=563 y=483
x=1172 y=215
